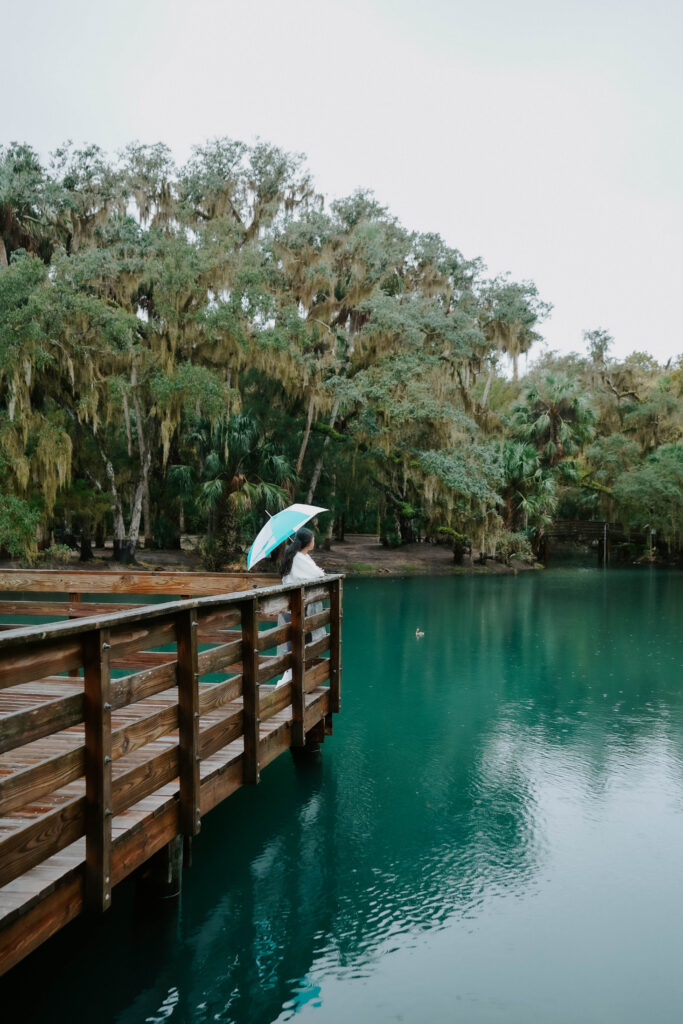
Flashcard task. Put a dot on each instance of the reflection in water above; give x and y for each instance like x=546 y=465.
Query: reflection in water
x=503 y=798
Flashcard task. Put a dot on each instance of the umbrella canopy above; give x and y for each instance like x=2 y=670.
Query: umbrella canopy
x=278 y=528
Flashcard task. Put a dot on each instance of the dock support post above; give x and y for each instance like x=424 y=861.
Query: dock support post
x=98 y=794
x=251 y=768
x=163 y=873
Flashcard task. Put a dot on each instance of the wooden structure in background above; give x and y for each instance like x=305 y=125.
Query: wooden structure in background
x=113 y=742
x=601 y=534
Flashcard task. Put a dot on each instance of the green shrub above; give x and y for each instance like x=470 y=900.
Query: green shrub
x=18 y=524
x=513 y=545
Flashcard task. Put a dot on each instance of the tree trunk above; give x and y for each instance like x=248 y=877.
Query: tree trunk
x=145 y=460
x=485 y=396
x=126 y=420
x=4 y=262
x=321 y=458
x=307 y=432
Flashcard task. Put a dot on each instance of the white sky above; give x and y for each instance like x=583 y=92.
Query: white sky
x=542 y=136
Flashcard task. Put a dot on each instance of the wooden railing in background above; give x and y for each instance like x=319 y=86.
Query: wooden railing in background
x=111 y=734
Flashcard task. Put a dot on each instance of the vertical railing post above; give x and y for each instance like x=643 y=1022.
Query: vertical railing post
x=188 y=722
x=98 y=795
x=298 y=634
x=74 y=598
x=251 y=767
x=335 y=645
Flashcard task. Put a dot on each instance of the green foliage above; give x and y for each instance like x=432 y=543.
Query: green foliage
x=18 y=525
x=198 y=345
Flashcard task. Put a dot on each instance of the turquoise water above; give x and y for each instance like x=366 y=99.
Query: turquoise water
x=494 y=832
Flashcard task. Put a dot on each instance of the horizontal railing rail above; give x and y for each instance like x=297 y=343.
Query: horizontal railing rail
x=110 y=718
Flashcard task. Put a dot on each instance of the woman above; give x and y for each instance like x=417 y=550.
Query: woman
x=297 y=566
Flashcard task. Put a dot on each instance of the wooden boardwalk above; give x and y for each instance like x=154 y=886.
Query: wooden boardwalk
x=113 y=741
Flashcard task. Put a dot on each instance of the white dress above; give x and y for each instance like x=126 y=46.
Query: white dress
x=303 y=570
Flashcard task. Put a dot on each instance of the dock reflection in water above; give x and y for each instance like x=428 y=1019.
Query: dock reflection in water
x=493 y=833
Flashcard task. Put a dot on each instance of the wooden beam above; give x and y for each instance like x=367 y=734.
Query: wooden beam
x=98 y=760
x=250 y=692
x=188 y=722
x=335 y=645
x=296 y=605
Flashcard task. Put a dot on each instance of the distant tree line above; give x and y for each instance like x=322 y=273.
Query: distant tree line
x=185 y=348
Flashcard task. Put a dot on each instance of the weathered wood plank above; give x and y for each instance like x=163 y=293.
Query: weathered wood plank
x=318 y=647
x=219 y=657
x=279 y=698
x=272 y=637
x=133 y=688
x=42 y=921
x=131 y=737
x=144 y=779
x=25 y=847
x=113 y=582
x=31 y=784
x=215 y=695
x=271 y=667
x=316 y=676
x=37 y=659
x=316 y=621
x=23 y=727
x=218 y=735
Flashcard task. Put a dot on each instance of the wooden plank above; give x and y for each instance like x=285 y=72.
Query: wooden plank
x=221 y=784
x=131 y=737
x=215 y=695
x=30 y=784
x=142 y=659
x=31 y=929
x=335 y=645
x=279 y=698
x=318 y=647
x=272 y=637
x=296 y=599
x=133 y=688
x=220 y=657
x=36 y=659
x=218 y=735
x=224 y=617
x=140 y=843
x=23 y=727
x=25 y=847
x=130 y=639
x=316 y=676
x=134 y=582
x=188 y=722
x=316 y=621
x=98 y=758
x=145 y=778
x=250 y=692
x=271 y=667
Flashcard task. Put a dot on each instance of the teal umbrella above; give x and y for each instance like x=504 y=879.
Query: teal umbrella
x=278 y=528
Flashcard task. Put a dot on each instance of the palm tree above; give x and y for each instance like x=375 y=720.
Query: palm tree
x=555 y=416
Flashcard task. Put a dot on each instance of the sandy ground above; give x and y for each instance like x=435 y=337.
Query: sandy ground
x=358 y=555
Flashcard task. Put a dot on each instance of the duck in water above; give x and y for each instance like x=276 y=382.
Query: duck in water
x=418 y=632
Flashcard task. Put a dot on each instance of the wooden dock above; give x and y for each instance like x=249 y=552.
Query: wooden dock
x=122 y=725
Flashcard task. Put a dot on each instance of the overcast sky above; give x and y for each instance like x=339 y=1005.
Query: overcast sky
x=544 y=137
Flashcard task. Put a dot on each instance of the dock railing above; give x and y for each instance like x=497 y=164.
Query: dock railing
x=113 y=741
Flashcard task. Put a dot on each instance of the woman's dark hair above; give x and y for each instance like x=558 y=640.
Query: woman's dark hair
x=301 y=539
